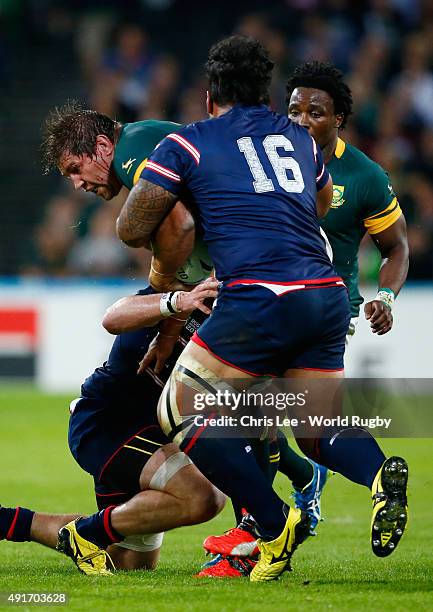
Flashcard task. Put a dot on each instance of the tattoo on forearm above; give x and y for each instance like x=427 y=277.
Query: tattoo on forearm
x=145 y=207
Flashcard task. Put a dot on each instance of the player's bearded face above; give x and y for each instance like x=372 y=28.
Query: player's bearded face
x=91 y=173
x=314 y=110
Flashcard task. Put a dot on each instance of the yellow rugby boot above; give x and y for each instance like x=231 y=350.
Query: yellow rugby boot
x=88 y=557
x=275 y=555
x=389 y=506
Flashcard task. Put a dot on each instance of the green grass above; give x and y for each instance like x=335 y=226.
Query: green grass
x=336 y=570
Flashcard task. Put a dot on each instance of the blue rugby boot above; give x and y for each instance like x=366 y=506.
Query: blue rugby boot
x=308 y=499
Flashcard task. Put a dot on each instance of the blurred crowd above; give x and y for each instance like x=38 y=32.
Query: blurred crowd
x=132 y=70
x=76 y=238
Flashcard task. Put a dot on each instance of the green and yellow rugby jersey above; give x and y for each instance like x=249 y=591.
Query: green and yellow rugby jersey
x=363 y=200
x=136 y=142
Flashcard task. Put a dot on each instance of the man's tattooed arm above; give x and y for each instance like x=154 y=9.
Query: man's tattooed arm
x=145 y=207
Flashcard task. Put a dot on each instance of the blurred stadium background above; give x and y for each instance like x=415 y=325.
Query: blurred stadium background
x=60 y=262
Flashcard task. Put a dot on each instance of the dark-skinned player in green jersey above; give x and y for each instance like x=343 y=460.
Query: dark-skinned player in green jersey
x=363 y=201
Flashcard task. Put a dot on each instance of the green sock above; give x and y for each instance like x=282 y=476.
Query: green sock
x=297 y=468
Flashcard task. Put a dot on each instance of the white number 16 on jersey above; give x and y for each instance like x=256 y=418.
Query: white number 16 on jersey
x=279 y=164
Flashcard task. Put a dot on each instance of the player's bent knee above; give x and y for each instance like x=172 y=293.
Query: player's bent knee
x=131 y=559
x=215 y=501
x=205 y=504
x=220 y=501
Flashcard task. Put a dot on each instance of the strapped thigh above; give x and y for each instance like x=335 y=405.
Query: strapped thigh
x=191 y=373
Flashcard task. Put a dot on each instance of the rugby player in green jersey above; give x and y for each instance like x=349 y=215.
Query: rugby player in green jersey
x=363 y=201
x=103 y=156
x=363 y=198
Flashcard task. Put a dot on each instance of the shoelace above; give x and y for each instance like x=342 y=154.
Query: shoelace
x=243 y=566
x=248 y=524
x=312 y=506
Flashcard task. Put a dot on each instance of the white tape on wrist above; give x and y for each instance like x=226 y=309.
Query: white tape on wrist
x=163 y=305
x=168 y=303
x=173 y=301
x=387 y=296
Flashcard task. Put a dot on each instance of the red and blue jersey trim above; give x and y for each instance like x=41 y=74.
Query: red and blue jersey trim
x=197 y=340
x=163 y=171
x=190 y=148
x=282 y=287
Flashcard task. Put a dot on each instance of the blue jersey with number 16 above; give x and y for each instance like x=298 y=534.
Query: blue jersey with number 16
x=254 y=176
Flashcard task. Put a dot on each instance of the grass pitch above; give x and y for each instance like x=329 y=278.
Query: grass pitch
x=335 y=570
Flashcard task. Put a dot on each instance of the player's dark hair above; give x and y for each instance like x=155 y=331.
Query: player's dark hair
x=74 y=129
x=324 y=76
x=239 y=71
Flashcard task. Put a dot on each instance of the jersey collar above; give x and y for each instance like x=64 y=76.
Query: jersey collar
x=339 y=149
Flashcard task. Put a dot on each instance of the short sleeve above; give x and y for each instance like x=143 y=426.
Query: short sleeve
x=172 y=162
x=381 y=208
x=322 y=174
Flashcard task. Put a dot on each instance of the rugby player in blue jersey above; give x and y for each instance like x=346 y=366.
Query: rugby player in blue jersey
x=143 y=484
x=260 y=185
x=364 y=201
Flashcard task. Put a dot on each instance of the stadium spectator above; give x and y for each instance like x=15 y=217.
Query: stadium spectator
x=55 y=237
x=123 y=80
x=413 y=87
x=99 y=253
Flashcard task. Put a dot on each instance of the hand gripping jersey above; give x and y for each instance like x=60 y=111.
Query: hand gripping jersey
x=254 y=176
x=135 y=144
x=363 y=200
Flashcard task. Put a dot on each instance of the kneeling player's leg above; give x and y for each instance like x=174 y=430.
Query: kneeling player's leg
x=136 y=552
x=24 y=525
x=174 y=494
x=87 y=539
